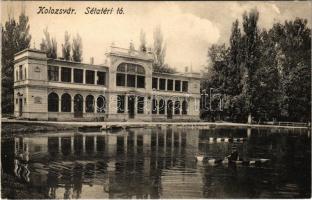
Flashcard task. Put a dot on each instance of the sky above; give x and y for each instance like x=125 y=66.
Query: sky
x=189 y=28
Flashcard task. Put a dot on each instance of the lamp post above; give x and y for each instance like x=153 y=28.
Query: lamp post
x=220 y=103
x=210 y=98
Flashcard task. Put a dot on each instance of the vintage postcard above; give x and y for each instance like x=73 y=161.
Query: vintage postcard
x=155 y=99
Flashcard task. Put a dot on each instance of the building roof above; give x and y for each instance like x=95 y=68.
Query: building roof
x=130 y=53
x=74 y=63
x=29 y=49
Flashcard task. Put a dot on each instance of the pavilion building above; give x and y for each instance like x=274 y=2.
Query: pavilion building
x=124 y=88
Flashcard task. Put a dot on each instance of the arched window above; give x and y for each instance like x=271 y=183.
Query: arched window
x=154 y=106
x=66 y=102
x=89 y=103
x=140 y=69
x=53 y=102
x=101 y=104
x=184 y=107
x=130 y=75
x=121 y=67
x=162 y=106
x=177 y=107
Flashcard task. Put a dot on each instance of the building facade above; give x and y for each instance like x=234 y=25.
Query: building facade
x=124 y=88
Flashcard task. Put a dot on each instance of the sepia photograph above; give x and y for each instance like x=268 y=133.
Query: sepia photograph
x=156 y=99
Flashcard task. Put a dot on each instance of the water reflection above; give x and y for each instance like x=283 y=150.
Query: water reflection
x=159 y=163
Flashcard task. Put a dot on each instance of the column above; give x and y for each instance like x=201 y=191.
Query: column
x=72 y=144
x=166 y=84
x=59 y=73
x=94 y=143
x=72 y=104
x=84 y=76
x=95 y=77
x=60 y=104
x=83 y=143
x=83 y=105
x=181 y=85
x=94 y=104
x=157 y=84
x=166 y=106
x=72 y=75
x=157 y=105
x=135 y=106
x=126 y=103
x=173 y=87
x=181 y=107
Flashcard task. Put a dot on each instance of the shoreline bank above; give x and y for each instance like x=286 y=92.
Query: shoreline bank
x=12 y=126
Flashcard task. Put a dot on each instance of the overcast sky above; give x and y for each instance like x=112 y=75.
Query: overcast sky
x=189 y=28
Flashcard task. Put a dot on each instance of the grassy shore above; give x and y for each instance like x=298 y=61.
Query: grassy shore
x=24 y=127
x=21 y=128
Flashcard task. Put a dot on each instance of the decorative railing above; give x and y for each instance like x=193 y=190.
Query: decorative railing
x=296 y=124
x=132 y=53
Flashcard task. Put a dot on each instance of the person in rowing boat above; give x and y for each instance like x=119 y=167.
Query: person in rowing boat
x=234 y=154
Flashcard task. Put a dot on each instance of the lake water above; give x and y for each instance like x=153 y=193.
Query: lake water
x=160 y=163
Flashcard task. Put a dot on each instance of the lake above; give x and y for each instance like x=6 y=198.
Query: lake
x=160 y=163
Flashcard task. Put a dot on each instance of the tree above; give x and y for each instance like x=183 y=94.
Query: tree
x=251 y=56
x=66 y=47
x=159 y=48
x=160 y=53
x=77 y=49
x=216 y=75
x=294 y=64
x=22 y=32
x=142 y=41
x=233 y=72
x=264 y=73
x=49 y=45
x=268 y=93
x=15 y=37
x=235 y=68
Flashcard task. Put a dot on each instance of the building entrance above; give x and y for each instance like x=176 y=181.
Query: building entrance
x=78 y=106
x=169 y=109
